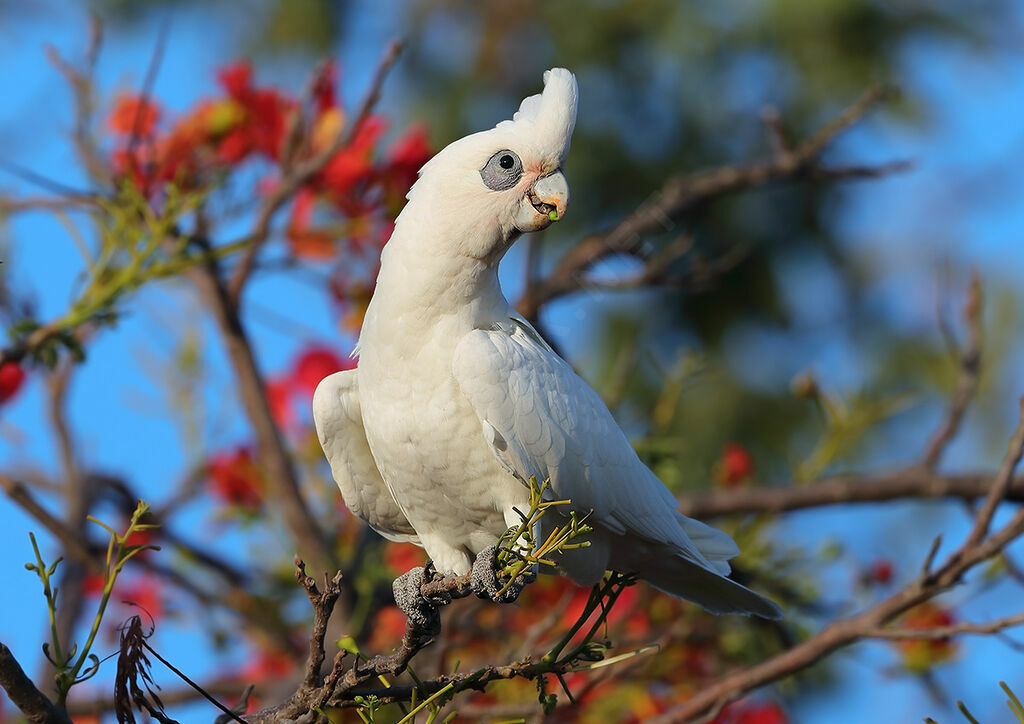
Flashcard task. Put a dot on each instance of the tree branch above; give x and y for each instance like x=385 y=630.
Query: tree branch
x=710 y=700
x=912 y=483
x=682 y=192
x=23 y=693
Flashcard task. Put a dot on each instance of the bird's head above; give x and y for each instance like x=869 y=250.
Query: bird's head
x=507 y=180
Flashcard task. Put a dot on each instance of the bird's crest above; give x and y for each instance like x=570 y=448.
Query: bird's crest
x=550 y=116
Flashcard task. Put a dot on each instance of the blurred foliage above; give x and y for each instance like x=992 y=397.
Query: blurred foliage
x=666 y=87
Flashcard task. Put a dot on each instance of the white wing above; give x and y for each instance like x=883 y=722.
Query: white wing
x=339 y=426
x=543 y=420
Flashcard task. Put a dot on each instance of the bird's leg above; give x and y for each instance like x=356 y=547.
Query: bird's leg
x=486 y=583
x=421 y=611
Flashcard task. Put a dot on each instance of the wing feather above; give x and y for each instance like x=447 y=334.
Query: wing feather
x=339 y=426
x=553 y=425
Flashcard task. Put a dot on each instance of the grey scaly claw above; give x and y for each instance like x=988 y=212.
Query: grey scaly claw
x=485 y=580
x=420 y=611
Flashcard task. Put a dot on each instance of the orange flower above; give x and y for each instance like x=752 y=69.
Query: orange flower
x=401 y=557
x=133 y=115
x=388 y=629
x=919 y=655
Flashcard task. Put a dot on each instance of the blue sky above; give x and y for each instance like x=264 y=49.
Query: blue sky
x=958 y=202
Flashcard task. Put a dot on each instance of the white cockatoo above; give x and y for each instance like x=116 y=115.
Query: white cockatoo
x=457 y=400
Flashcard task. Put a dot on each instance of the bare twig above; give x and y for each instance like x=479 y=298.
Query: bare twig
x=76 y=548
x=1000 y=484
x=82 y=89
x=945 y=632
x=910 y=483
x=967 y=378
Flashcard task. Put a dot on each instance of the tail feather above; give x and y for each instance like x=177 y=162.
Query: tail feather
x=665 y=569
x=714 y=592
x=715 y=545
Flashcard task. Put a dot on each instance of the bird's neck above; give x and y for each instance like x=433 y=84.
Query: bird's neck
x=425 y=284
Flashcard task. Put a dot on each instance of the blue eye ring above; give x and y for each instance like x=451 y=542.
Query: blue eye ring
x=502 y=170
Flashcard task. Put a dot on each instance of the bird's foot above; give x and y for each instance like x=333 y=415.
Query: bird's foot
x=422 y=612
x=487 y=584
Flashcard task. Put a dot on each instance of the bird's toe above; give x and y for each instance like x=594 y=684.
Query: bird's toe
x=421 y=612
x=487 y=584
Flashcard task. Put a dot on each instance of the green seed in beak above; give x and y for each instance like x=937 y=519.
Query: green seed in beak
x=553 y=215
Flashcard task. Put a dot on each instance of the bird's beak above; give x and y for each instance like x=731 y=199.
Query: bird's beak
x=550 y=195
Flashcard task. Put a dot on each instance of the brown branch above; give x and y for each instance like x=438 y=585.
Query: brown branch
x=323 y=606
x=967 y=377
x=82 y=89
x=1000 y=485
x=301 y=174
x=929 y=584
x=23 y=693
x=682 y=192
x=945 y=632
x=74 y=545
x=281 y=474
x=225 y=687
x=911 y=483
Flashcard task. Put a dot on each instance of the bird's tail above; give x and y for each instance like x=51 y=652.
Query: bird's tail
x=704 y=582
x=718 y=594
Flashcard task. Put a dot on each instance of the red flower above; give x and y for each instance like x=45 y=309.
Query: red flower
x=750 y=713
x=93 y=584
x=736 y=465
x=133 y=114
x=879 y=571
x=305 y=241
x=265 y=110
x=144 y=593
x=11 y=377
x=279 y=396
x=323 y=88
x=235 y=478
x=402 y=557
x=267 y=666
x=142 y=538
x=767 y=713
x=352 y=164
x=314 y=364
x=406 y=158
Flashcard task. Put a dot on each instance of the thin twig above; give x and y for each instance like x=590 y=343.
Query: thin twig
x=945 y=632
x=967 y=377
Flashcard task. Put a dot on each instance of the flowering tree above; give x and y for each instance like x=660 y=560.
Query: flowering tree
x=320 y=193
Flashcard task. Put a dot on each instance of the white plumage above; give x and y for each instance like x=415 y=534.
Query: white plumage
x=457 y=401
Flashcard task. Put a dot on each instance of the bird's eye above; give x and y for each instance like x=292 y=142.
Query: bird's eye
x=502 y=171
